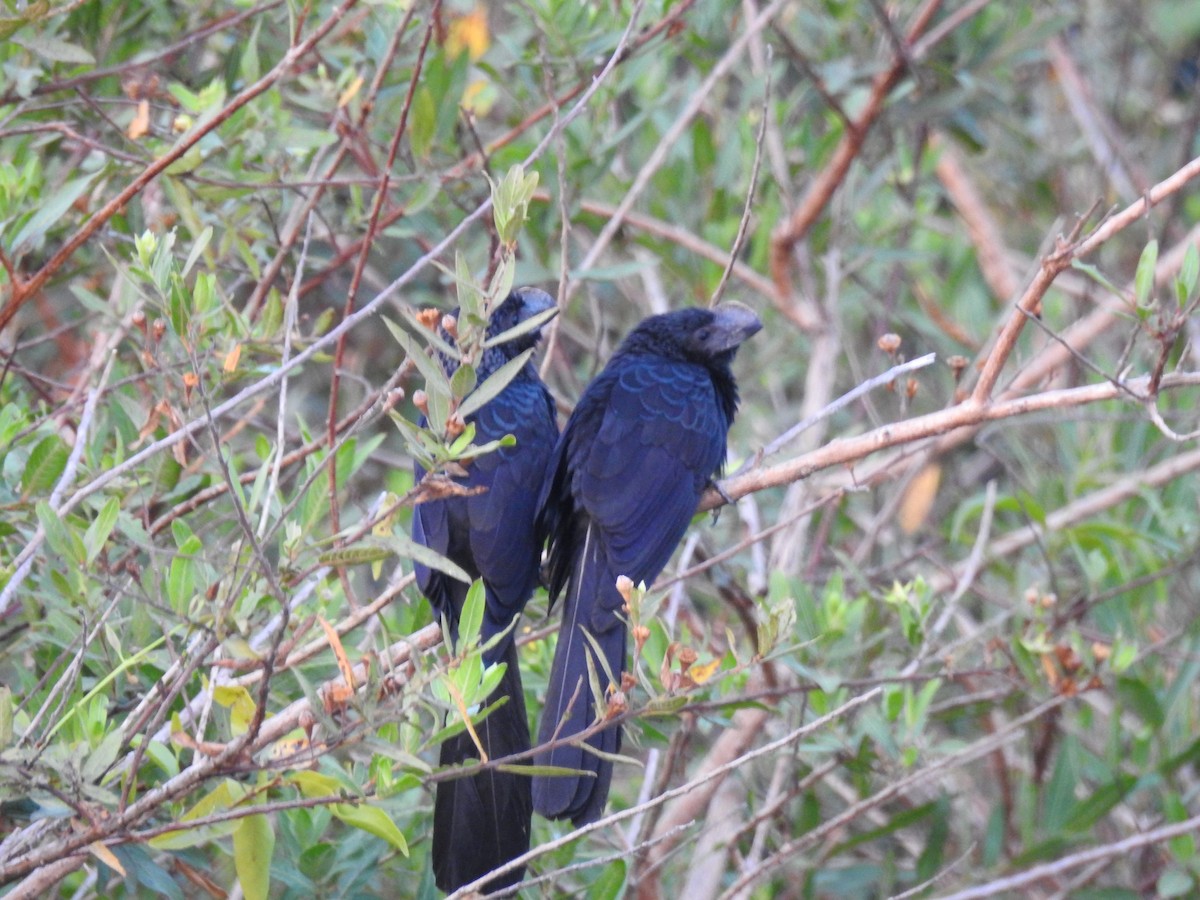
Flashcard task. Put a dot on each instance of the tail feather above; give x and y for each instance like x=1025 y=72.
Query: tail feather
x=482 y=822
x=592 y=604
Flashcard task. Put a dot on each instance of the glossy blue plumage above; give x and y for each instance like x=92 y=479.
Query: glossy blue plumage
x=628 y=471
x=483 y=821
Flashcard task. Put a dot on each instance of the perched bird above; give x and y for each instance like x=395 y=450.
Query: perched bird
x=483 y=821
x=644 y=441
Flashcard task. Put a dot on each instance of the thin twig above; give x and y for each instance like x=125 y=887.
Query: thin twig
x=736 y=250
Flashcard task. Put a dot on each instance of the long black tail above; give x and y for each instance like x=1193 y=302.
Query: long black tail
x=592 y=604
x=482 y=822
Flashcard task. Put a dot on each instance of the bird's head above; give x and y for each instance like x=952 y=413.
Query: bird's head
x=718 y=332
x=706 y=336
x=524 y=311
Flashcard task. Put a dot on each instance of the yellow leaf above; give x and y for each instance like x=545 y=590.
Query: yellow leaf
x=138 y=128
x=107 y=857
x=479 y=97
x=350 y=91
x=231 y=358
x=253 y=845
x=286 y=748
x=315 y=784
x=701 y=674
x=918 y=499
x=240 y=704
x=339 y=652
x=470 y=33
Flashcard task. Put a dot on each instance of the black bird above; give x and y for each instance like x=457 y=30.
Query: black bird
x=645 y=440
x=483 y=821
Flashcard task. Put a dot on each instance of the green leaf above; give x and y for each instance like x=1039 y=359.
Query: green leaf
x=462 y=382
x=224 y=796
x=45 y=464
x=1175 y=882
x=404 y=546
x=101 y=527
x=1088 y=811
x=470 y=301
x=1189 y=272
x=470 y=618
x=1143 y=280
x=11 y=421
x=60 y=538
x=611 y=882
x=422 y=122
x=6 y=716
x=253 y=845
x=54 y=49
x=1097 y=276
x=50 y=211
x=1141 y=700
x=315 y=784
x=436 y=382
x=494 y=384
x=372 y=820
x=181 y=581
x=530 y=324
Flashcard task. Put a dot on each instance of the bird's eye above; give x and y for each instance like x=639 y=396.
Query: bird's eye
x=703 y=334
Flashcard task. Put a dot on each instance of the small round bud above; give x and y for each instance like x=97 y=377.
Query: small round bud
x=888 y=343
x=640 y=635
x=429 y=318
x=421 y=401
x=617 y=704
x=624 y=586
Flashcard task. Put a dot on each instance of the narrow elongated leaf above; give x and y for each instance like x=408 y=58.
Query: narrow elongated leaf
x=224 y=796
x=1189 y=272
x=197 y=248
x=51 y=210
x=422 y=122
x=430 y=369
x=494 y=384
x=101 y=528
x=1143 y=280
x=404 y=546
x=372 y=820
x=470 y=618
x=530 y=324
x=253 y=845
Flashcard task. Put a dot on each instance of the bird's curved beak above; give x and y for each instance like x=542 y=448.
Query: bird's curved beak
x=734 y=323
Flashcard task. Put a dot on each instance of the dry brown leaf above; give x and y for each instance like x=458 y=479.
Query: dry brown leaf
x=106 y=856
x=140 y=125
x=339 y=652
x=232 y=358
x=470 y=33
x=919 y=497
x=348 y=94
